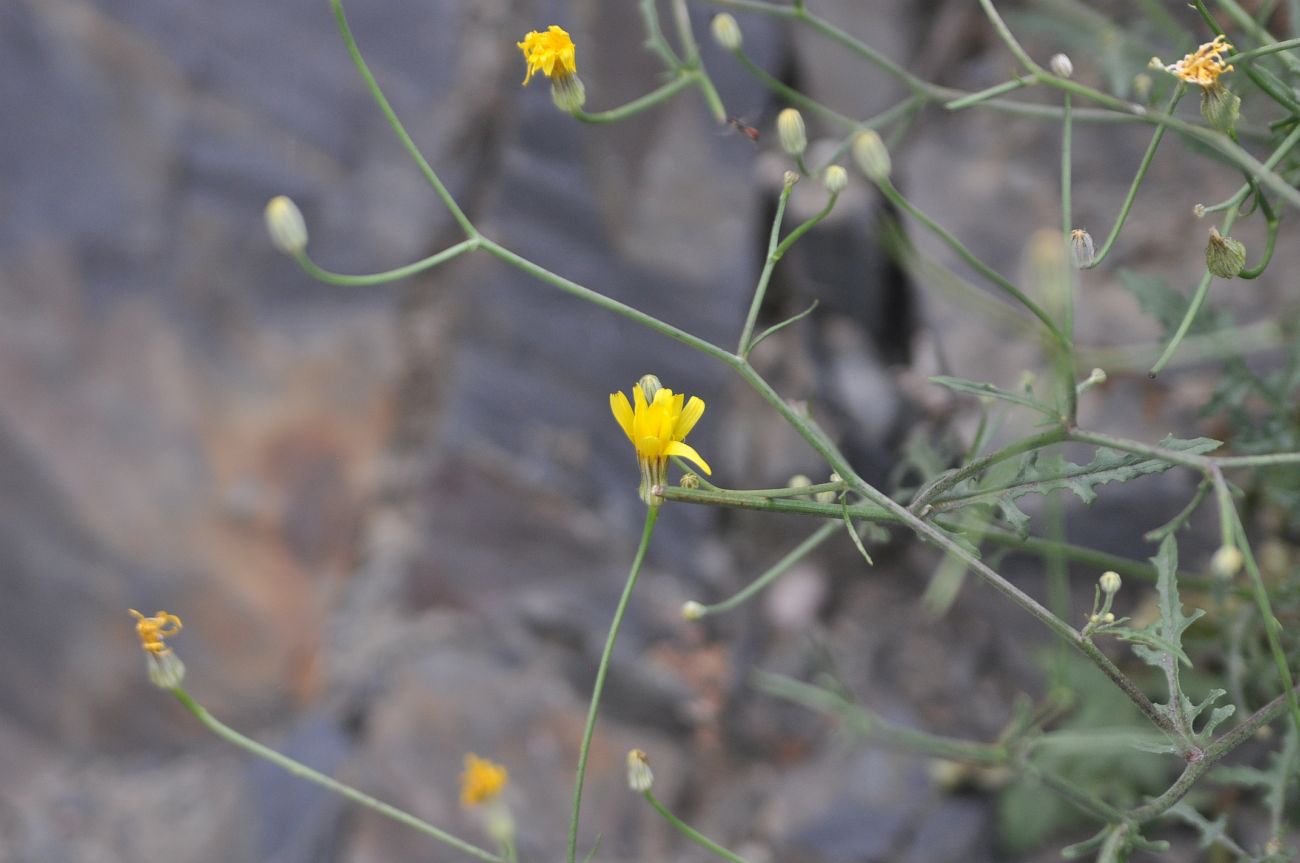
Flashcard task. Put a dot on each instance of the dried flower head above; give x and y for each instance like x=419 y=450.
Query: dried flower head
x=154 y=631
x=481 y=781
x=639 y=775
x=1204 y=65
x=657 y=422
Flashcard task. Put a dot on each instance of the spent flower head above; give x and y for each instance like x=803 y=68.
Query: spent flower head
x=657 y=421
x=1204 y=65
x=166 y=671
x=639 y=775
x=481 y=781
x=553 y=54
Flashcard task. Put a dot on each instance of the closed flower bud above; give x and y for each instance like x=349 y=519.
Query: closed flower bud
x=649 y=385
x=1061 y=66
x=790 y=178
x=690 y=481
x=1227 y=561
x=285 y=225
x=1224 y=256
x=871 y=156
x=692 y=610
x=835 y=179
x=639 y=776
x=1220 y=107
x=790 y=131
x=1109 y=582
x=1081 y=248
x=726 y=32
x=798 y=481
x=1199 y=211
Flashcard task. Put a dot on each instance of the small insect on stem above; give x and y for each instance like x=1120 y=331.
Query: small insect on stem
x=743 y=128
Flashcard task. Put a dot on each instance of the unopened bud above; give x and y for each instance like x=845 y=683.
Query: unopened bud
x=692 y=610
x=1108 y=617
x=790 y=131
x=639 y=776
x=1224 y=256
x=1220 y=107
x=1199 y=211
x=568 y=92
x=1061 y=66
x=871 y=156
x=726 y=32
x=1095 y=377
x=285 y=225
x=1155 y=63
x=1109 y=582
x=798 y=481
x=1081 y=248
x=790 y=178
x=649 y=385
x=1227 y=561
x=835 y=179
x=690 y=481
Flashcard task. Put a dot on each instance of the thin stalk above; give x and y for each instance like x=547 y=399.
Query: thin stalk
x=945 y=481
x=655 y=40
x=1270 y=460
x=742 y=500
x=1065 y=359
x=1082 y=800
x=649 y=100
x=651 y=515
x=690 y=832
x=796 y=554
x=1247 y=23
x=773 y=240
x=776 y=328
x=1145 y=164
x=388 y=275
x=804 y=228
x=1004 y=33
x=382 y=101
x=1264 y=50
x=1271 y=220
x=792 y=95
x=297 y=768
x=988 y=93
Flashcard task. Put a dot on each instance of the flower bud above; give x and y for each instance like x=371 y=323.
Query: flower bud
x=726 y=32
x=692 y=610
x=285 y=225
x=1082 y=252
x=1061 y=66
x=1109 y=582
x=568 y=92
x=835 y=179
x=649 y=385
x=1220 y=107
x=1156 y=63
x=798 y=481
x=639 y=776
x=1199 y=211
x=790 y=178
x=871 y=156
x=1227 y=561
x=1224 y=256
x=689 y=481
x=790 y=131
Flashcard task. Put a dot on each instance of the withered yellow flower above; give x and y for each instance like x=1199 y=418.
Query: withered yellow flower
x=482 y=780
x=657 y=421
x=551 y=53
x=154 y=630
x=1204 y=65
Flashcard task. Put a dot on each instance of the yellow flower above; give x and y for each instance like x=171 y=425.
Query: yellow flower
x=657 y=427
x=1204 y=65
x=153 y=631
x=550 y=53
x=482 y=780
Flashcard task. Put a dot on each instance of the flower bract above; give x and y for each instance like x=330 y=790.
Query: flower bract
x=1204 y=65
x=657 y=421
x=481 y=781
x=551 y=53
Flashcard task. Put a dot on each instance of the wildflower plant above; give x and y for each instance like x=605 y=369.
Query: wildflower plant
x=972 y=504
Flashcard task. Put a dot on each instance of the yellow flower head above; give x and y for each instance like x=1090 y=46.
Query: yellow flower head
x=550 y=53
x=657 y=427
x=153 y=631
x=1204 y=65
x=482 y=780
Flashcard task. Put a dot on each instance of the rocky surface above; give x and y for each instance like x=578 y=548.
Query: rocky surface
x=396 y=520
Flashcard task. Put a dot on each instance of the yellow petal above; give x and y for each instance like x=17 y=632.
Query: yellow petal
x=622 y=410
x=686 y=451
x=690 y=416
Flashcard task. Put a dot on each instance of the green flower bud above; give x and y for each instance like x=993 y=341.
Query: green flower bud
x=726 y=32
x=690 y=480
x=835 y=179
x=1220 y=107
x=649 y=385
x=1061 y=66
x=285 y=225
x=692 y=610
x=790 y=131
x=1224 y=256
x=1227 y=561
x=871 y=156
x=1109 y=583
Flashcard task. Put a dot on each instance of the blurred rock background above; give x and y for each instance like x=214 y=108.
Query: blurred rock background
x=396 y=520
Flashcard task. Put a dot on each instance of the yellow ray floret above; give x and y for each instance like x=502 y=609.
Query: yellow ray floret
x=550 y=53
x=482 y=780
x=153 y=631
x=1204 y=65
x=657 y=428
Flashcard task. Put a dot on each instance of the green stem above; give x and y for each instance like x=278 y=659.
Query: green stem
x=1069 y=790
x=988 y=93
x=1145 y=164
x=744 y=500
x=652 y=514
x=649 y=100
x=388 y=275
x=1247 y=23
x=968 y=256
x=792 y=95
x=1004 y=33
x=230 y=735
x=655 y=40
x=774 y=572
x=776 y=328
x=1258 y=460
x=945 y=481
x=773 y=241
x=690 y=832
x=378 y=95
x=805 y=228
